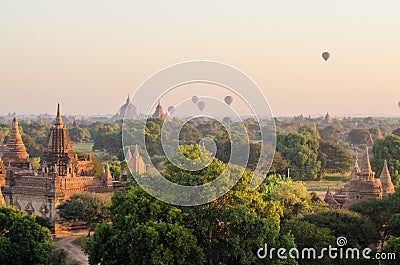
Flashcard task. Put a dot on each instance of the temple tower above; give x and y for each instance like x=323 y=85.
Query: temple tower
x=159 y=112
x=15 y=153
x=59 y=156
x=136 y=163
x=107 y=178
x=355 y=171
x=366 y=172
x=328 y=119
x=386 y=180
x=379 y=135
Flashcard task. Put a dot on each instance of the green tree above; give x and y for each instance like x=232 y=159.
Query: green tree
x=330 y=133
x=358 y=230
x=33 y=149
x=387 y=149
x=307 y=235
x=79 y=134
x=394 y=225
x=35 y=162
x=279 y=165
x=292 y=196
x=379 y=212
x=336 y=159
x=115 y=170
x=88 y=207
x=231 y=228
x=392 y=246
x=358 y=136
x=22 y=239
x=143 y=230
x=308 y=130
x=301 y=153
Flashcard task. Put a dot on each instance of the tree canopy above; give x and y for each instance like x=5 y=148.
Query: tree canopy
x=22 y=239
x=88 y=207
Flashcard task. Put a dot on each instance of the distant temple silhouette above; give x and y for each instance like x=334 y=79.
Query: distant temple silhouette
x=127 y=111
x=159 y=112
x=135 y=163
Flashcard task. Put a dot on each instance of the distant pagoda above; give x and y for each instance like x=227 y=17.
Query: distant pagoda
x=328 y=119
x=159 y=112
x=135 y=161
x=379 y=135
x=126 y=111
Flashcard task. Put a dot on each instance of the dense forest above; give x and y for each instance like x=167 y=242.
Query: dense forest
x=306 y=146
x=135 y=228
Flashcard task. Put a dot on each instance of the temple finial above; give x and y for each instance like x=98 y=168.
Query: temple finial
x=58 y=118
x=136 y=150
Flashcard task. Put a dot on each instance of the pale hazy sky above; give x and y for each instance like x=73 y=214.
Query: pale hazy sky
x=88 y=55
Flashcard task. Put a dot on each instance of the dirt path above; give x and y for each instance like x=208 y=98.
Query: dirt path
x=74 y=251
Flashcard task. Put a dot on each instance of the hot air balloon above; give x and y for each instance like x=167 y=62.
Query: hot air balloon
x=171 y=109
x=201 y=105
x=228 y=100
x=398 y=104
x=195 y=99
x=326 y=55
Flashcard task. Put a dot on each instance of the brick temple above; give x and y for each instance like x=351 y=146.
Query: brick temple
x=362 y=185
x=62 y=173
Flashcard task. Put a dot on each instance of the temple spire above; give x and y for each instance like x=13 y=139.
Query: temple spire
x=136 y=151
x=58 y=118
x=366 y=170
x=386 y=180
x=128 y=155
x=15 y=151
x=356 y=170
x=109 y=180
x=379 y=134
x=356 y=162
x=159 y=112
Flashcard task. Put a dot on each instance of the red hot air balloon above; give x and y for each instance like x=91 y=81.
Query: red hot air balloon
x=201 y=105
x=326 y=55
x=195 y=99
x=228 y=100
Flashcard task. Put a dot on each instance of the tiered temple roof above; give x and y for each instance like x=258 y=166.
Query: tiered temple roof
x=159 y=112
x=128 y=110
x=62 y=173
x=14 y=152
x=362 y=185
x=135 y=162
x=328 y=118
x=59 y=151
x=379 y=134
x=366 y=172
x=386 y=180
